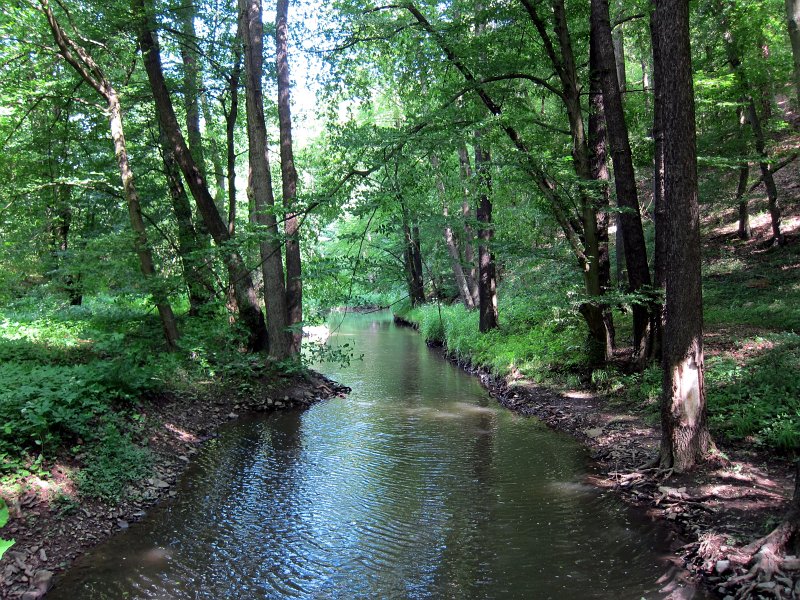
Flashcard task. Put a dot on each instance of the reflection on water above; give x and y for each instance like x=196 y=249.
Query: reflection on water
x=416 y=486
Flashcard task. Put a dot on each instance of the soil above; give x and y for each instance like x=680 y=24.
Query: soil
x=50 y=534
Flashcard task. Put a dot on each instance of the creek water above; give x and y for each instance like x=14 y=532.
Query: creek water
x=417 y=485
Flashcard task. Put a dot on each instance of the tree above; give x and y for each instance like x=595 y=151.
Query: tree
x=294 y=282
x=246 y=298
x=793 y=24
x=624 y=176
x=260 y=180
x=91 y=72
x=685 y=437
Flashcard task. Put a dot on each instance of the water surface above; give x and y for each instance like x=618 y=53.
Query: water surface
x=417 y=485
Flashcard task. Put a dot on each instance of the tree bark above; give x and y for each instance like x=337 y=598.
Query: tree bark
x=246 y=297
x=230 y=143
x=487 y=284
x=294 y=282
x=659 y=214
x=260 y=190
x=624 y=177
x=598 y=315
x=83 y=64
x=685 y=436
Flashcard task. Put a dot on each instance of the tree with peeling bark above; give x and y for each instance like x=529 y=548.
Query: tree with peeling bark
x=685 y=439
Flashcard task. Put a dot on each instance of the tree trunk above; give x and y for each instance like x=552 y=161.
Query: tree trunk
x=793 y=23
x=758 y=136
x=230 y=142
x=135 y=213
x=83 y=64
x=624 y=177
x=766 y=174
x=198 y=284
x=741 y=202
x=191 y=88
x=412 y=257
x=618 y=38
x=685 y=436
x=215 y=155
x=450 y=241
x=466 y=215
x=564 y=65
x=246 y=297
x=294 y=282
x=487 y=284
x=598 y=315
x=659 y=214
x=260 y=191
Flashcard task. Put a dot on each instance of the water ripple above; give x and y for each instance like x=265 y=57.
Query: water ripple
x=417 y=486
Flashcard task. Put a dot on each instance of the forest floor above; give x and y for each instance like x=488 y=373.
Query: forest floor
x=52 y=525
x=744 y=491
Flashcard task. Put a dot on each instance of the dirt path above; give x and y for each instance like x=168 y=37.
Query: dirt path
x=50 y=535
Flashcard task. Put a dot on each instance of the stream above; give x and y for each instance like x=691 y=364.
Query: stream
x=417 y=485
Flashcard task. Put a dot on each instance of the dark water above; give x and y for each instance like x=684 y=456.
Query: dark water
x=415 y=486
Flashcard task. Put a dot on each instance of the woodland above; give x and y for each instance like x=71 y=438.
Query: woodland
x=596 y=195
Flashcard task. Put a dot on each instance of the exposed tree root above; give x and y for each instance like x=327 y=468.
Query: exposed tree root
x=766 y=561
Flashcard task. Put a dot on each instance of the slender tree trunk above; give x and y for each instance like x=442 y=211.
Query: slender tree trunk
x=471 y=274
x=766 y=174
x=294 y=282
x=83 y=64
x=758 y=136
x=412 y=257
x=230 y=143
x=191 y=87
x=198 y=284
x=246 y=298
x=659 y=212
x=793 y=23
x=487 y=284
x=449 y=239
x=563 y=63
x=260 y=190
x=215 y=155
x=685 y=436
x=135 y=213
x=618 y=38
x=624 y=177
x=741 y=202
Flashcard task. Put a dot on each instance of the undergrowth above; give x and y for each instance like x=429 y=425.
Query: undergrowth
x=752 y=382
x=73 y=380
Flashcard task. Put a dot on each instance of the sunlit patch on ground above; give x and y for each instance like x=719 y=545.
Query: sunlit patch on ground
x=181 y=434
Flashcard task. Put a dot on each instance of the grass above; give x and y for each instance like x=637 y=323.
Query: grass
x=752 y=316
